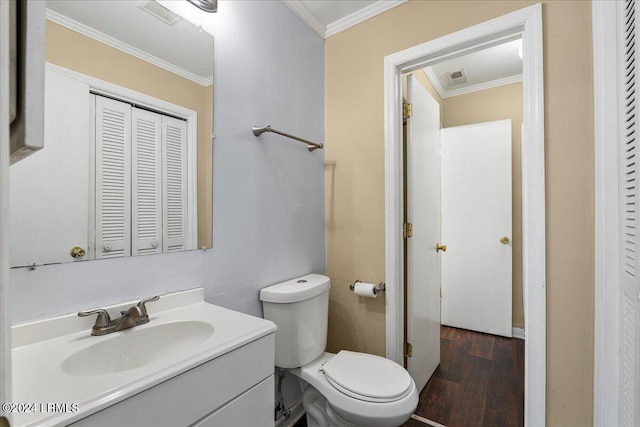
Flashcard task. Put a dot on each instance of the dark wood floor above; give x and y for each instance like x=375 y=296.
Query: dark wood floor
x=480 y=381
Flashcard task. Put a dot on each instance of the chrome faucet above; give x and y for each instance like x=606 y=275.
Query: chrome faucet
x=133 y=316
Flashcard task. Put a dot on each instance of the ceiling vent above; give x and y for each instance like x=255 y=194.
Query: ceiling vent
x=456 y=77
x=157 y=10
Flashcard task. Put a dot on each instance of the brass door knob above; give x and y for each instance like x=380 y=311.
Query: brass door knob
x=440 y=247
x=78 y=252
x=504 y=240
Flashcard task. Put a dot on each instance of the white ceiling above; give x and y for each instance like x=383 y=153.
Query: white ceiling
x=494 y=66
x=491 y=67
x=180 y=48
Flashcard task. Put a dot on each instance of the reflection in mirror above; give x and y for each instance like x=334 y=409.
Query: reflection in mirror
x=127 y=164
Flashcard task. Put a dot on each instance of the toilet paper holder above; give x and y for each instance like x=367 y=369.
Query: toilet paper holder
x=380 y=288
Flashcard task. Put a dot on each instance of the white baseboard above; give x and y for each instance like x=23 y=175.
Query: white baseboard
x=297 y=412
x=518 y=333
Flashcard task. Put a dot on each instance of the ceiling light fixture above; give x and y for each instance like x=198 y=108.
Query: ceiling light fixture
x=210 y=6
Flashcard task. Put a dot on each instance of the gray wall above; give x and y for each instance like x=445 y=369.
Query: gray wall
x=268 y=191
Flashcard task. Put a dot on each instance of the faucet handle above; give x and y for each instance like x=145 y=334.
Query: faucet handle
x=103 y=319
x=143 y=307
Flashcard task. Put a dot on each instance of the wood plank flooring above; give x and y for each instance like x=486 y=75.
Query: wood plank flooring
x=480 y=381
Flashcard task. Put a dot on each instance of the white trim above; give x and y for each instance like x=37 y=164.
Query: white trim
x=450 y=93
x=606 y=337
x=112 y=90
x=426 y=421
x=361 y=15
x=5 y=320
x=298 y=7
x=435 y=81
x=127 y=48
x=528 y=22
x=307 y=17
x=518 y=333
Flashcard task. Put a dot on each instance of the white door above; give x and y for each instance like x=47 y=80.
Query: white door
x=423 y=212
x=146 y=185
x=62 y=165
x=476 y=227
x=629 y=266
x=112 y=178
x=174 y=175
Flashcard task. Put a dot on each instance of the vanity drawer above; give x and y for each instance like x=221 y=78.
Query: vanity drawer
x=253 y=408
x=192 y=395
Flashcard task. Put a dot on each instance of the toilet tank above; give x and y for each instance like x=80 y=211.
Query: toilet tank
x=299 y=307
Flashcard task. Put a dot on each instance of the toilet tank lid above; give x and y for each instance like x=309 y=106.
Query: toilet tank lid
x=298 y=289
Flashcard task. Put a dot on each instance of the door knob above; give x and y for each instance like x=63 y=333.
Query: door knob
x=440 y=247
x=77 y=252
x=504 y=240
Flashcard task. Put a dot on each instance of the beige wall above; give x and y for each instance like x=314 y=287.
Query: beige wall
x=504 y=102
x=85 y=55
x=354 y=111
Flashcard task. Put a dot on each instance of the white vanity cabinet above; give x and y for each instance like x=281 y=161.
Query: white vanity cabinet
x=192 y=364
x=235 y=389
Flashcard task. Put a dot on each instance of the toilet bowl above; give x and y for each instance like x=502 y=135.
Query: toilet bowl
x=344 y=389
x=361 y=389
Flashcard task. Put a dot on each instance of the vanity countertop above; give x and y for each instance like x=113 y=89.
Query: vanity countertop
x=50 y=396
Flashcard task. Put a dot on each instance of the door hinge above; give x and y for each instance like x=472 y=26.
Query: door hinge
x=407 y=110
x=407 y=230
x=408 y=350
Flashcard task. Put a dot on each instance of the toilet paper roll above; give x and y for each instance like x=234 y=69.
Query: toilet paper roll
x=365 y=290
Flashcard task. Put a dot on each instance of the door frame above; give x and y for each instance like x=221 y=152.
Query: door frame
x=527 y=23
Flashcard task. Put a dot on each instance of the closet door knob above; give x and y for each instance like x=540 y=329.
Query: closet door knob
x=504 y=240
x=77 y=252
x=440 y=247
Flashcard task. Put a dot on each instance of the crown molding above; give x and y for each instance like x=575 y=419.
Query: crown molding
x=450 y=93
x=435 y=82
x=361 y=15
x=298 y=7
x=307 y=17
x=124 y=47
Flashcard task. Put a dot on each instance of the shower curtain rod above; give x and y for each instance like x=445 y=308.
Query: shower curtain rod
x=257 y=131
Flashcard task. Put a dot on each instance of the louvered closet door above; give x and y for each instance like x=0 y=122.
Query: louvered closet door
x=174 y=174
x=146 y=183
x=629 y=156
x=113 y=178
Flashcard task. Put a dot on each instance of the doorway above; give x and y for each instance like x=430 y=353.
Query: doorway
x=526 y=23
x=470 y=162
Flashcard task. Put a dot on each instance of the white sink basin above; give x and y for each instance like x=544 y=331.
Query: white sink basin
x=58 y=360
x=134 y=348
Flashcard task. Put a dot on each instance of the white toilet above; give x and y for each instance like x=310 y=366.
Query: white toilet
x=344 y=389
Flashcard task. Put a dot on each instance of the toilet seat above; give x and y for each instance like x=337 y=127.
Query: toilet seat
x=367 y=377
x=355 y=408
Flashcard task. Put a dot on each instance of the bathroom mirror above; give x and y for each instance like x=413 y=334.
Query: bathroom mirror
x=127 y=168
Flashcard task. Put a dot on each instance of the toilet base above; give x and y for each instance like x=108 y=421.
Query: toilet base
x=319 y=412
